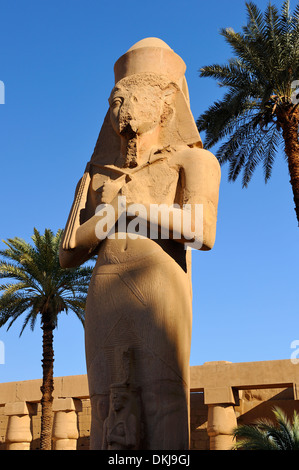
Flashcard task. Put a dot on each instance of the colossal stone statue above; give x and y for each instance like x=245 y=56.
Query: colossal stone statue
x=148 y=156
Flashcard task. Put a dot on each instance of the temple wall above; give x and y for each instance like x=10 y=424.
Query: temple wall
x=220 y=393
x=253 y=404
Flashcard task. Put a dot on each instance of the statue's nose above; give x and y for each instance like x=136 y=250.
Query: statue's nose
x=128 y=122
x=127 y=110
x=129 y=128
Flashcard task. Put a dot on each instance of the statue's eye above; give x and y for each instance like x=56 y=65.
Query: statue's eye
x=117 y=101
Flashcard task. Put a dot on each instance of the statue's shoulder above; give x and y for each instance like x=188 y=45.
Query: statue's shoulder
x=185 y=157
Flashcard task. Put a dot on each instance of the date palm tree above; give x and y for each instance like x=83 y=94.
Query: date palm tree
x=40 y=288
x=259 y=109
x=266 y=435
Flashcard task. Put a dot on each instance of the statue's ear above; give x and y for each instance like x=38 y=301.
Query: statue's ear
x=107 y=148
x=170 y=93
x=180 y=125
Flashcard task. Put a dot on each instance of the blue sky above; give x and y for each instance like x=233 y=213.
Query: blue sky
x=56 y=61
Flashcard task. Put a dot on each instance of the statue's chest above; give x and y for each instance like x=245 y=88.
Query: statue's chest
x=153 y=184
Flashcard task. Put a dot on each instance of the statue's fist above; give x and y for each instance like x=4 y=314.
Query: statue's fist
x=110 y=190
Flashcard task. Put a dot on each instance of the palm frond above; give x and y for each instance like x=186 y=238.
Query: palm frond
x=38 y=283
x=246 y=122
x=255 y=26
x=266 y=435
x=250 y=437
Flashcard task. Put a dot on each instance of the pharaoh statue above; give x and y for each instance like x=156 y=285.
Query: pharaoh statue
x=148 y=154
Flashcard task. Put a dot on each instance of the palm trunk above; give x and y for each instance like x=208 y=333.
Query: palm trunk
x=47 y=387
x=289 y=123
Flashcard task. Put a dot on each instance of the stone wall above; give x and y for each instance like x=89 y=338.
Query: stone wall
x=253 y=404
x=83 y=421
x=20 y=407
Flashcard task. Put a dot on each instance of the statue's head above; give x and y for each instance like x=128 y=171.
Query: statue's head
x=119 y=395
x=150 y=90
x=140 y=103
x=119 y=399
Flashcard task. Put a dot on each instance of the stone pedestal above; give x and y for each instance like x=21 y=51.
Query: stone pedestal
x=18 y=435
x=221 y=423
x=65 y=426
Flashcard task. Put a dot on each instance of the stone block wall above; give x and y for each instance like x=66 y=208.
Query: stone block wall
x=210 y=385
x=3 y=426
x=252 y=405
x=83 y=421
x=199 y=438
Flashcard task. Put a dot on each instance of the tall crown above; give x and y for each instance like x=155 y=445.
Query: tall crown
x=152 y=55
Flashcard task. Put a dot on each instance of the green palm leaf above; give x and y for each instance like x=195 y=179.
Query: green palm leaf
x=266 y=435
x=257 y=114
x=39 y=289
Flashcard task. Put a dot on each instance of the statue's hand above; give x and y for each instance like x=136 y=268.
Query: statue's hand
x=110 y=190
x=131 y=191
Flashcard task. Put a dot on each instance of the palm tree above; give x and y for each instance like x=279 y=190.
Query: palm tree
x=41 y=289
x=264 y=435
x=259 y=108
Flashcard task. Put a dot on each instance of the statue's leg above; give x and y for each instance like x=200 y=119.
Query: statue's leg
x=138 y=311
x=165 y=410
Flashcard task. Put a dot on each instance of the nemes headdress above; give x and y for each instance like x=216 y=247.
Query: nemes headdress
x=154 y=56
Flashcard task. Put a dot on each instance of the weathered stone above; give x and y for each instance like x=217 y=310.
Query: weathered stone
x=139 y=305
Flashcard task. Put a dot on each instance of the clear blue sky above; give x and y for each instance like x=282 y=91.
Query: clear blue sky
x=56 y=60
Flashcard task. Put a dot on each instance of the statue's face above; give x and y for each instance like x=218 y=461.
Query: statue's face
x=135 y=109
x=118 y=400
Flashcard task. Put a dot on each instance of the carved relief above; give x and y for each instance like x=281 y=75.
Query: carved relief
x=123 y=428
